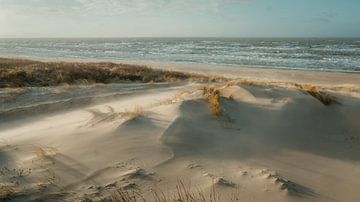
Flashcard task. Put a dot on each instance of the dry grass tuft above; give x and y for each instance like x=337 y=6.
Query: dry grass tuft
x=182 y=193
x=45 y=152
x=213 y=96
x=111 y=115
x=179 y=97
x=122 y=195
x=324 y=97
x=16 y=91
x=250 y=82
x=137 y=112
x=8 y=192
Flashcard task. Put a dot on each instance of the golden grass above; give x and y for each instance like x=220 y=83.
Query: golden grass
x=167 y=101
x=111 y=115
x=61 y=89
x=179 y=97
x=45 y=152
x=215 y=103
x=182 y=193
x=213 y=96
x=324 y=97
x=8 y=192
x=20 y=73
x=317 y=92
x=122 y=195
x=250 y=82
x=137 y=112
x=16 y=91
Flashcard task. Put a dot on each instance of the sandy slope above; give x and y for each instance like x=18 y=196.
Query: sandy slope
x=270 y=144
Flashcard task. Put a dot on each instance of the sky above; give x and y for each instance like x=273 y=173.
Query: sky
x=179 y=18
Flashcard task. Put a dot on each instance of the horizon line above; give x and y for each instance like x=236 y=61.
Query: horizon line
x=180 y=37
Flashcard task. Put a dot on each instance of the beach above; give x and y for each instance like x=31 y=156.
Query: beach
x=204 y=133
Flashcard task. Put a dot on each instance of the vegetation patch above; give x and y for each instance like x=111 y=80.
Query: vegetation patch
x=324 y=97
x=21 y=73
x=8 y=192
x=137 y=112
x=182 y=193
x=213 y=96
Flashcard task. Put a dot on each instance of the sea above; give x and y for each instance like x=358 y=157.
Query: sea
x=312 y=54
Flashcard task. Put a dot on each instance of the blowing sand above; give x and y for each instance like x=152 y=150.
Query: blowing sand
x=270 y=141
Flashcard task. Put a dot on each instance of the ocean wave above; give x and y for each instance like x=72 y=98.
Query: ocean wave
x=292 y=53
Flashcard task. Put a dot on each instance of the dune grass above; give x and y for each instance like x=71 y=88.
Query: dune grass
x=8 y=192
x=122 y=195
x=182 y=193
x=15 y=91
x=317 y=92
x=99 y=117
x=22 y=73
x=324 y=97
x=213 y=96
x=137 y=112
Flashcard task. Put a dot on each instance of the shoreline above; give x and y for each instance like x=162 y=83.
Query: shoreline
x=233 y=72
x=122 y=61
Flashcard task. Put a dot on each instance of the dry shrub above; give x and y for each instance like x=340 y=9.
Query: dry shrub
x=213 y=96
x=324 y=97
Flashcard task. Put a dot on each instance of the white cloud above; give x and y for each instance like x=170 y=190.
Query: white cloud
x=117 y=17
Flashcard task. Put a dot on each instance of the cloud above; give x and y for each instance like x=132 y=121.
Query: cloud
x=36 y=7
x=113 y=7
x=112 y=17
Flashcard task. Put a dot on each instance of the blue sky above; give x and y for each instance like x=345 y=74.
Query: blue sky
x=179 y=18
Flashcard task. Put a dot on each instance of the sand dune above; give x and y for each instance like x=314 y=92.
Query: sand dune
x=270 y=143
